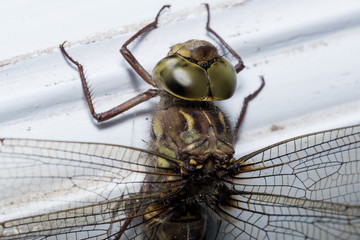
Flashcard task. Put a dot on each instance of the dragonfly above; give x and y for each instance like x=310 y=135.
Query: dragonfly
x=188 y=185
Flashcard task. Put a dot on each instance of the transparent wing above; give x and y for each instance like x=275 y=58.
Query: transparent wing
x=303 y=188
x=76 y=190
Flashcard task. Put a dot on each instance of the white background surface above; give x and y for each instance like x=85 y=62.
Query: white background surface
x=308 y=52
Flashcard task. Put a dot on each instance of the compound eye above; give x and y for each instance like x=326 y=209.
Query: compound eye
x=223 y=79
x=181 y=78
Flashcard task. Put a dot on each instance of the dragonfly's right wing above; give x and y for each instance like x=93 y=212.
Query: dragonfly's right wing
x=77 y=190
x=307 y=187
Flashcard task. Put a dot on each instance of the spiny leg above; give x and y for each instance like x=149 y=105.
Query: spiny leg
x=240 y=65
x=116 y=110
x=245 y=104
x=130 y=57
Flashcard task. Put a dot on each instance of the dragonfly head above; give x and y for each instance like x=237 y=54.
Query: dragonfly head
x=195 y=71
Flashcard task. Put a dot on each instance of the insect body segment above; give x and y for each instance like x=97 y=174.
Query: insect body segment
x=194 y=71
x=196 y=133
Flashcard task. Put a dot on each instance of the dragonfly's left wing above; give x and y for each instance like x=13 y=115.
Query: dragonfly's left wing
x=77 y=190
x=303 y=188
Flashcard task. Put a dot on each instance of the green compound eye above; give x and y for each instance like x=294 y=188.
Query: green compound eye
x=222 y=77
x=181 y=78
x=189 y=81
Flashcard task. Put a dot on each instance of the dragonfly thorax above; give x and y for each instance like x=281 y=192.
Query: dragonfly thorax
x=196 y=133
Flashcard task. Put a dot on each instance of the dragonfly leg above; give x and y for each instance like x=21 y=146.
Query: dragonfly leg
x=245 y=104
x=131 y=58
x=142 y=97
x=240 y=65
x=116 y=110
x=100 y=117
